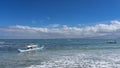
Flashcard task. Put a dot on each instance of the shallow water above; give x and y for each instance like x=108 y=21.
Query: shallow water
x=61 y=53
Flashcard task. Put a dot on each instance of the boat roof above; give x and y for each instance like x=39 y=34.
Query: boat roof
x=32 y=46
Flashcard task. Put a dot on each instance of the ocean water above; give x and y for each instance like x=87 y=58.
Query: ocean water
x=60 y=53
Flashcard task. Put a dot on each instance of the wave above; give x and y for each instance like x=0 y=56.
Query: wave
x=102 y=60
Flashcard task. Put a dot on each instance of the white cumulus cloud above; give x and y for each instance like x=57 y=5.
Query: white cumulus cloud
x=99 y=30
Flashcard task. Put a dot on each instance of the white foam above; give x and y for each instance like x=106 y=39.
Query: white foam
x=82 y=61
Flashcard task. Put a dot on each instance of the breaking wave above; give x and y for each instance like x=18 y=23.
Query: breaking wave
x=83 y=60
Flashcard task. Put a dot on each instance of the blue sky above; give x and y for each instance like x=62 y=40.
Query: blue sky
x=65 y=12
x=68 y=14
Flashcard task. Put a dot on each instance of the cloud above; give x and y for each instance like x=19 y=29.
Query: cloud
x=33 y=21
x=48 y=18
x=40 y=20
x=54 y=26
x=99 y=30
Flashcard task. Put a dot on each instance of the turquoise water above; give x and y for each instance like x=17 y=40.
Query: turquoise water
x=60 y=53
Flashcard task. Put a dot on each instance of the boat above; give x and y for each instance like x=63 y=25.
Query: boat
x=29 y=48
x=112 y=42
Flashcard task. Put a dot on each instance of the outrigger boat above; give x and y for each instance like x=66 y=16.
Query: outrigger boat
x=31 y=48
x=112 y=42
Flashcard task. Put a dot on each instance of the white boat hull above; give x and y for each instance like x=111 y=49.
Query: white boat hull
x=27 y=50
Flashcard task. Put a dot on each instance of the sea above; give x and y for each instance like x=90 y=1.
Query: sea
x=61 y=53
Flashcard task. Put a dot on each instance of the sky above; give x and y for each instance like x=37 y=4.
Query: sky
x=38 y=19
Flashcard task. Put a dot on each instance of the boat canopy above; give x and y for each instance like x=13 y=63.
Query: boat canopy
x=29 y=46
